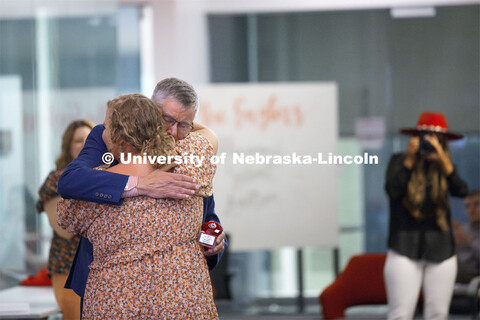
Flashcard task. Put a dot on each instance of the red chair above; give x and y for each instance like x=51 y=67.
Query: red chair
x=360 y=283
x=39 y=279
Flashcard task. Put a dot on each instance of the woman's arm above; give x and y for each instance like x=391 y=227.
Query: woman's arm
x=77 y=216
x=397 y=177
x=440 y=155
x=50 y=207
x=201 y=147
x=400 y=169
x=456 y=186
x=207 y=133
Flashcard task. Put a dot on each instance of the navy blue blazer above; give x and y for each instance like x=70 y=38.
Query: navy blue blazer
x=79 y=181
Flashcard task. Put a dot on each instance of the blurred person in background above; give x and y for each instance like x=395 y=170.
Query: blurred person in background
x=64 y=244
x=421 y=250
x=467 y=239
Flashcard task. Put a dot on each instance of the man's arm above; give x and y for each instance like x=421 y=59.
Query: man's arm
x=79 y=180
x=162 y=184
x=214 y=254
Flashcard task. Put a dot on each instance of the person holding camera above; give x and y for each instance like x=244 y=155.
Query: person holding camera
x=421 y=249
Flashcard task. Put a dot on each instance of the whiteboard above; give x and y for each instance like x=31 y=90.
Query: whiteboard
x=266 y=206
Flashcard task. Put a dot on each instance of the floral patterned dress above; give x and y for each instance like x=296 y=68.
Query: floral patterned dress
x=62 y=251
x=147 y=261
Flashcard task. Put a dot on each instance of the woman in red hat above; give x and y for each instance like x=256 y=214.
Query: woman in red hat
x=421 y=247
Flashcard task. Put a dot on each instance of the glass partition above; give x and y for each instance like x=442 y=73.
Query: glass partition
x=55 y=67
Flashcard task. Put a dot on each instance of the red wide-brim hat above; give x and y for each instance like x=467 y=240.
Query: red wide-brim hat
x=432 y=122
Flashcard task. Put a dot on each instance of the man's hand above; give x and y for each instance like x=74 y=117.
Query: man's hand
x=162 y=184
x=219 y=246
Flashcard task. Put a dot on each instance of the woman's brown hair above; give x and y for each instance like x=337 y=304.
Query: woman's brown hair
x=137 y=120
x=65 y=157
x=417 y=187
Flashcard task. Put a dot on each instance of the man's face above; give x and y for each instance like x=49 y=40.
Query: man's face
x=472 y=206
x=174 y=110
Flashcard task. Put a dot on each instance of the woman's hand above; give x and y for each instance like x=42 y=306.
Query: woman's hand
x=433 y=140
x=439 y=154
x=412 y=150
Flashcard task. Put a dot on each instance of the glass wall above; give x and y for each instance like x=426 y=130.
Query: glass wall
x=54 y=68
x=388 y=71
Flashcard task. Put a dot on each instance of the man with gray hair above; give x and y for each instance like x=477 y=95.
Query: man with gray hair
x=179 y=103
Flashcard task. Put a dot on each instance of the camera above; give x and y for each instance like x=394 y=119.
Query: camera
x=425 y=146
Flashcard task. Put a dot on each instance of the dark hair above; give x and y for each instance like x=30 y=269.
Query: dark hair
x=417 y=191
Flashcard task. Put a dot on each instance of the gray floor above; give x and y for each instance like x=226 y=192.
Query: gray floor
x=288 y=309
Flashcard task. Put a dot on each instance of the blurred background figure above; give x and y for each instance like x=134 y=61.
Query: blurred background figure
x=421 y=249
x=467 y=239
x=64 y=244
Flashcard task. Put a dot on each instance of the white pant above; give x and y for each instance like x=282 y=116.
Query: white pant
x=403 y=279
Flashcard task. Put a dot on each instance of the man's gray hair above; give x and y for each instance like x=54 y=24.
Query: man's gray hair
x=176 y=89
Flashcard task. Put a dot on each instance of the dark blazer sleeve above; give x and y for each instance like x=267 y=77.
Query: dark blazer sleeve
x=210 y=215
x=79 y=181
